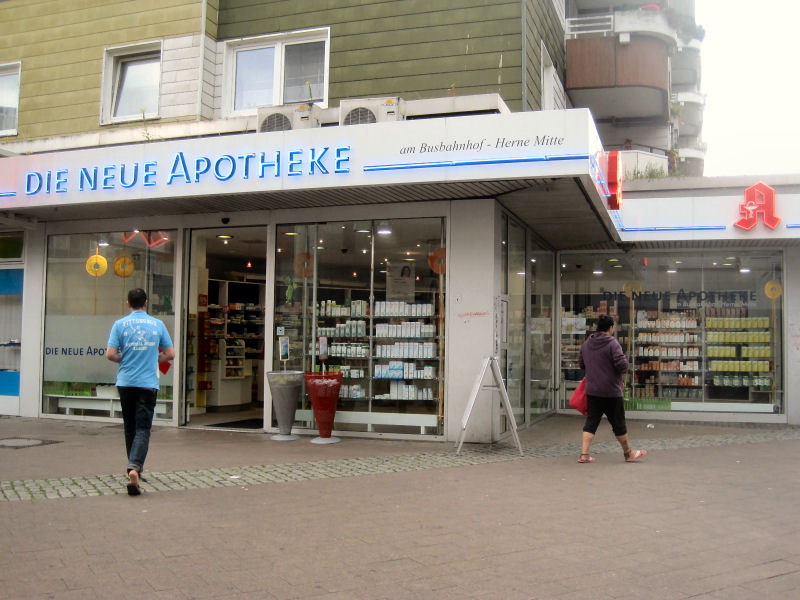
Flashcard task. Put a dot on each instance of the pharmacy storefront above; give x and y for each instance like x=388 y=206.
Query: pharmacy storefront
x=702 y=294
x=416 y=249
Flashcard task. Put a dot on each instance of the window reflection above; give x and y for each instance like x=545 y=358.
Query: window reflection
x=702 y=331
x=88 y=278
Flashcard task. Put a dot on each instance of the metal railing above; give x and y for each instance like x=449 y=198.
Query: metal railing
x=600 y=25
x=639 y=147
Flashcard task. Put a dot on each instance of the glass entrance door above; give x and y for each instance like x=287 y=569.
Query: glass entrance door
x=512 y=311
x=541 y=333
x=515 y=365
x=224 y=346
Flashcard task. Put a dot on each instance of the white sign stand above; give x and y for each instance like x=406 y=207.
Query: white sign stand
x=500 y=386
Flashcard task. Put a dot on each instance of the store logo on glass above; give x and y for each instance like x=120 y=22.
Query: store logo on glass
x=759 y=201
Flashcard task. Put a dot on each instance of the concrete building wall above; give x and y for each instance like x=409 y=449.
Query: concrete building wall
x=32 y=313
x=180 y=62
x=470 y=313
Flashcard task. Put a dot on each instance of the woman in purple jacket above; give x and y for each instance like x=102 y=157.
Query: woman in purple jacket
x=605 y=365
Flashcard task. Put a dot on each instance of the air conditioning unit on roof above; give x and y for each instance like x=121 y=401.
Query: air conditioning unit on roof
x=357 y=111
x=287 y=117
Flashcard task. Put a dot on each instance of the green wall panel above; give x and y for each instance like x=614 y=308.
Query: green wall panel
x=61 y=45
x=409 y=48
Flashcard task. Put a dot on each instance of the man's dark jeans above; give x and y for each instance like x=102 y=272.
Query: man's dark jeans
x=138 y=406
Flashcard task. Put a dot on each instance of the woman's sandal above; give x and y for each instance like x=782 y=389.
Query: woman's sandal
x=585 y=458
x=634 y=455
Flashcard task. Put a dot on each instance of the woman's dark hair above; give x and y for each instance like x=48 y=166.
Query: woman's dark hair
x=604 y=323
x=405 y=271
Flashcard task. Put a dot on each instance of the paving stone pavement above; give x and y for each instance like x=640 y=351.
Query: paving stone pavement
x=709 y=514
x=101 y=485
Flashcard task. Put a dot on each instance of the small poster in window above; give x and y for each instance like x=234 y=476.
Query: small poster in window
x=283 y=345
x=400 y=282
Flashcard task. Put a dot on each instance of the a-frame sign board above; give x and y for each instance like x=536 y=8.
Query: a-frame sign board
x=500 y=386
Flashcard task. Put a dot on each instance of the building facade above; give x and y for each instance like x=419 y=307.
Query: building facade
x=637 y=67
x=270 y=176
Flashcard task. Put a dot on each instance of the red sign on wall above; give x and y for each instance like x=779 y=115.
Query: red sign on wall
x=759 y=201
x=615 y=175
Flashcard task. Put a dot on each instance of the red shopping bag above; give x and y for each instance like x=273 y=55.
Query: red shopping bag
x=578 y=398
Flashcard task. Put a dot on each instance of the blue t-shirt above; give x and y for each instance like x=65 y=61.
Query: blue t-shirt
x=138 y=338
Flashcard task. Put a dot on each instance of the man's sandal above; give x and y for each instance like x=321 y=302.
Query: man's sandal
x=585 y=458
x=133 y=483
x=634 y=455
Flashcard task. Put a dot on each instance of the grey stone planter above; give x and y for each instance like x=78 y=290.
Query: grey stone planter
x=286 y=387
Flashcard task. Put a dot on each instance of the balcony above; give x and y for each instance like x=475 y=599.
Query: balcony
x=686 y=65
x=618 y=65
x=619 y=81
x=651 y=23
x=688 y=108
x=691 y=161
x=642 y=164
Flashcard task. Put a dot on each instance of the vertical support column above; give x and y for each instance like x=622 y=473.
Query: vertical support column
x=471 y=288
x=30 y=389
x=791 y=334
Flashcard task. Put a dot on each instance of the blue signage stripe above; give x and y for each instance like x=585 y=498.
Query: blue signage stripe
x=9 y=383
x=599 y=178
x=793 y=225
x=681 y=228
x=472 y=163
x=7 y=194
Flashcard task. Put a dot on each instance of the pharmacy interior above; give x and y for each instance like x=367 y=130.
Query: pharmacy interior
x=702 y=330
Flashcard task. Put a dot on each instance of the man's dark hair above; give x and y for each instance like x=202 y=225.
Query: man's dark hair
x=604 y=323
x=137 y=298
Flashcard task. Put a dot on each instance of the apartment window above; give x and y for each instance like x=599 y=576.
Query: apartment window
x=277 y=69
x=9 y=98
x=132 y=77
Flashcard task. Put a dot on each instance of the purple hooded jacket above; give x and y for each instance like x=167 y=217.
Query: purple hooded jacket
x=605 y=363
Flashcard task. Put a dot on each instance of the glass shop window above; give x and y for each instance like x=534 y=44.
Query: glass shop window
x=375 y=291
x=701 y=331
x=88 y=279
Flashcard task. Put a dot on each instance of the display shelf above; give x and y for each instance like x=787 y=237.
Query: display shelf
x=234 y=360
x=236 y=327
x=667 y=359
x=740 y=357
x=696 y=354
x=392 y=347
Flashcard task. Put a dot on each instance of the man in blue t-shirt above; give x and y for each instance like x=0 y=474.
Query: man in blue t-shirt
x=138 y=343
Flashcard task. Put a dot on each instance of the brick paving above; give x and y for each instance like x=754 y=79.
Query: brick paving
x=101 y=485
x=709 y=514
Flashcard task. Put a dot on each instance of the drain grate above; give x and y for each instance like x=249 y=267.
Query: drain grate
x=17 y=443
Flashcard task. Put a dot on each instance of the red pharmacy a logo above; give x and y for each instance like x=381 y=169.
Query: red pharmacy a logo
x=759 y=199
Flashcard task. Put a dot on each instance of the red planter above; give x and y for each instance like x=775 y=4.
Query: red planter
x=324 y=393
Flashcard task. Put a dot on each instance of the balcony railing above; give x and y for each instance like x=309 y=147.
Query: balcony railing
x=644 y=22
x=578 y=27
